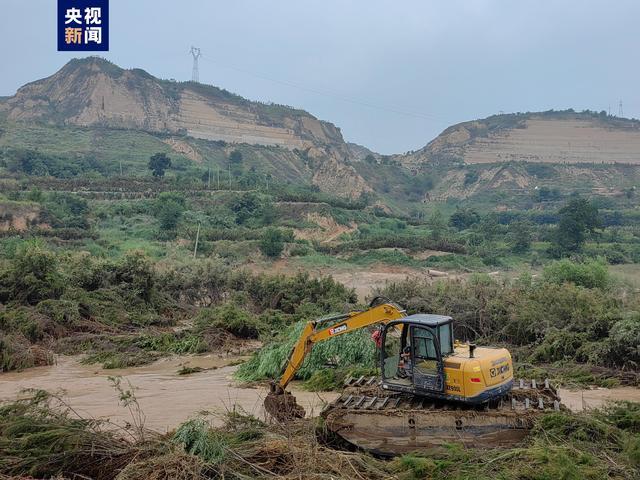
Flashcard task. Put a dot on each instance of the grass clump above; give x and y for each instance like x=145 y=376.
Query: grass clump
x=213 y=446
x=42 y=438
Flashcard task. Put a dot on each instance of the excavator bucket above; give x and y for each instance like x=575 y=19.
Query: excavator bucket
x=282 y=406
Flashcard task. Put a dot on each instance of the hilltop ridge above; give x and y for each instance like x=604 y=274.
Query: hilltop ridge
x=93 y=91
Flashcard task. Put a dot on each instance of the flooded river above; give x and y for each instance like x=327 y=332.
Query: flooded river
x=168 y=399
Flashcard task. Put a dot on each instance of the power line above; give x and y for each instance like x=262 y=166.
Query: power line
x=326 y=93
x=195 y=75
x=620 y=113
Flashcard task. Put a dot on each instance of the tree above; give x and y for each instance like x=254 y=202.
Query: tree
x=578 y=219
x=235 y=157
x=158 y=164
x=169 y=209
x=245 y=207
x=464 y=218
x=272 y=243
x=235 y=162
x=437 y=224
x=489 y=226
x=471 y=177
x=520 y=236
x=370 y=159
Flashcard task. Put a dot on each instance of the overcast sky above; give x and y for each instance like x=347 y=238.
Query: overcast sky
x=390 y=74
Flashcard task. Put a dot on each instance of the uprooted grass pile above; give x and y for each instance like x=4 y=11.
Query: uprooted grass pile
x=41 y=437
x=354 y=350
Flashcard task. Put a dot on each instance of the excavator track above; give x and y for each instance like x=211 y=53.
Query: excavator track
x=389 y=423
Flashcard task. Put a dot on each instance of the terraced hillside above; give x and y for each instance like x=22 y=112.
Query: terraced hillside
x=550 y=137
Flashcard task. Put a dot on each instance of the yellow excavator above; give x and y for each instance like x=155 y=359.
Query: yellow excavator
x=432 y=388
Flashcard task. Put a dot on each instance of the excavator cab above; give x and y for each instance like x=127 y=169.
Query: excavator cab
x=412 y=353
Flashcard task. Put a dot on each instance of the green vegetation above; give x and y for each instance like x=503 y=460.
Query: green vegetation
x=125 y=308
x=351 y=350
x=272 y=243
x=578 y=219
x=125 y=246
x=158 y=164
x=574 y=313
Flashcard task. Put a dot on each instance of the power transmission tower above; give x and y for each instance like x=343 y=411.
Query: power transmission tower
x=620 y=114
x=195 y=76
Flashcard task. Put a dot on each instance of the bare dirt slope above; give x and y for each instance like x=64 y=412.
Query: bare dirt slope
x=92 y=91
x=558 y=141
x=549 y=137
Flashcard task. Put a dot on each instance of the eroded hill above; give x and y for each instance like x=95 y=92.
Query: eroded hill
x=550 y=137
x=94 y=93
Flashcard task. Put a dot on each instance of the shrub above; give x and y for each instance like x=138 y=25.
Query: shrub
x=169 y=208
x=464 y=218
x=558 y=345
x=624 y=338
x=135 y=272
x=272 y=243
x=623 y=414
x=228 y=317
x=32 y=276
x=592 y=274
x=471 y=177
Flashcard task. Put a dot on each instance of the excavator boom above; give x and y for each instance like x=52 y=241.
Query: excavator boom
x=279 y=403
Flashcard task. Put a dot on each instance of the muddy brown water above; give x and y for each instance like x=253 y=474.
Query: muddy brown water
x=165 y=398
x=168 y=399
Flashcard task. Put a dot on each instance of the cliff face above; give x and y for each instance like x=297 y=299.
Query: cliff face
x=93 y=91
x=548 y=137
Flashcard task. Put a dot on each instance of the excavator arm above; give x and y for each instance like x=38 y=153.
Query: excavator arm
x=281 y=404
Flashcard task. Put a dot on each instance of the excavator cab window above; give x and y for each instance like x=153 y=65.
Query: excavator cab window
x=391 y=351
x=425 y=354
x=445 y=334
x=428 y=373
x=411 y=357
